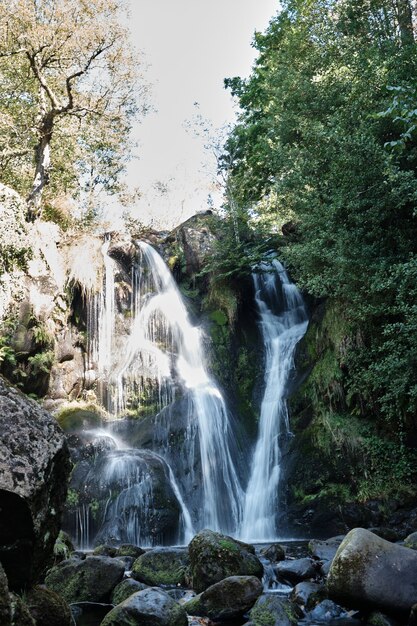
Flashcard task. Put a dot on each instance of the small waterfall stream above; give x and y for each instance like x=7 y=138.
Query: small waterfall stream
x=283 y=321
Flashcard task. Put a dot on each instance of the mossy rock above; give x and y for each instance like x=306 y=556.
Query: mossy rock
x=105 y=550
x=411 y=541
x=125 y=589
x=162 y=566
x=214 y=556
x=48 y=608
x=91 y=580
x=274 y=610
x=150 y=607
x=128 y=549
x=228 y=599
x=74 y=419
x=63 y=547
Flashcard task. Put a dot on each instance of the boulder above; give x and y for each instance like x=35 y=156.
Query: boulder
x=128 y=549
x=370 y=572
x=376 y=618
x=150 y=607
x=274 y=553
x=48 y=608
x=303 y=592
x=105 y=550
x=91 y=580
x=125 y=589
x=411 y=541
x=324 y=550
x=228 y=599
x=274 y=610
x=161 y=566
x=34 y=470
x=297 y=570
x=214 y=557
x=326 y=611
x=132 y=496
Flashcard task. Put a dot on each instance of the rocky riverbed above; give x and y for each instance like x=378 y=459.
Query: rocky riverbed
x=344 y=581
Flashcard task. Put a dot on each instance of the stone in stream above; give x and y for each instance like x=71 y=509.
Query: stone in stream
x=274 y=610
x=304 y=592
x=34 y=469
x=370 y=572
x=214 y=556
x=91 y=580
x=126 y=588
x=150 y=607
x=325 y=550
x=161 y=566
x=274 y=553
x=128 y=549
x=228 y=599
x=297 y=570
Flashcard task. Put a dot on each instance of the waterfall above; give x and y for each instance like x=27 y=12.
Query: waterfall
x=154 y=364
x=283 y=322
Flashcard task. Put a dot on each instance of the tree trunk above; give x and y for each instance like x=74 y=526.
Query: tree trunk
x=405 y=22
x=43 y=165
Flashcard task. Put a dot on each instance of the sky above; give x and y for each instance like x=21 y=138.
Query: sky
x=189 y=47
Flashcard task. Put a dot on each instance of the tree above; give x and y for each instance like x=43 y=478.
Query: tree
x=70 y=88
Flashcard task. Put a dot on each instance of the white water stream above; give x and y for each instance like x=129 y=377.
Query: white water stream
x=283 y=321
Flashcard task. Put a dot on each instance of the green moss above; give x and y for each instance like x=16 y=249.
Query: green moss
x=77 y=417
x=261 y=616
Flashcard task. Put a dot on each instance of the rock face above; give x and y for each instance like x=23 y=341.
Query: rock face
x=92 y=580
x=161 y=566
x=133 y=496
x=34 y=470
x=214 y=557
x=151 y=607
x=228 y=599
x=368 y=571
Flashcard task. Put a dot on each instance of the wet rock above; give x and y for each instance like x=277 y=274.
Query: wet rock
x=302 y=592
x=128 y=549
x=274 y=553
x=274 y=610
x=326 y=611
x=48 y=608
x=63 y=547
x=228 y=599
x=125 y=589
x=34 y=469
x=91 y=580
x=162 y=566
x=127 y=562
x=150 y=607
x=297 y=570
x=131 y=493
x=105 y=550
x=214 y=557
x=411 y=541
x=370 y=572
x=324 y=550
x=5 y=606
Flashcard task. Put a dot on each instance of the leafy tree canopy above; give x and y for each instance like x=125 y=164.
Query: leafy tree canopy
x=69 y=88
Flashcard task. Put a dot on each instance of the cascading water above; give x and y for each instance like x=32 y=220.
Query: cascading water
x=283 y=322
x=160 y=360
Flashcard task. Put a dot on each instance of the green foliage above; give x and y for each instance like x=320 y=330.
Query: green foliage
x=313 y=144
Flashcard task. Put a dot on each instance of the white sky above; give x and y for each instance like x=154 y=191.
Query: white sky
x=190 y=47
